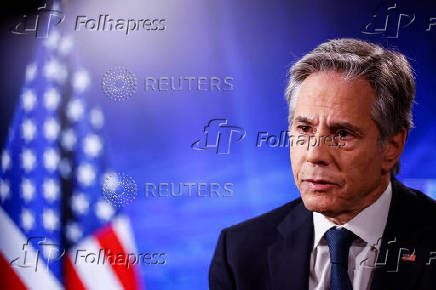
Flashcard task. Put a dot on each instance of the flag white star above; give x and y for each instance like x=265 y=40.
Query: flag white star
x=103 y=210
x=28 y=130
x=4 y=190
x=81 y=80
x=50 y=189
x=52 y=69
x=51 y=159
x=66 y=45
x=73 y=232
x=79 y=203
x=31 y=70
x=50 y=220
x=75 y=110
x=86 y=174
x=52 y=99
x=6 y=160
x=27 y=189
x=53 y=39
x=69 y=139
x=96 y=118
x=28 y=99
x=51 y=129
x=28 y=160
x=92 y=145
x=27 y=219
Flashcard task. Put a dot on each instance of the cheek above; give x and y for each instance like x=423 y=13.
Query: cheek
x=359 y=166
x=297 y=156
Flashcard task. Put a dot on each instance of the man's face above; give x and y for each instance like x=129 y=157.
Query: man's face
x=337 y=180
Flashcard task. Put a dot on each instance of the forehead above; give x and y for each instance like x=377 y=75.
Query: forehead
x=326 y=93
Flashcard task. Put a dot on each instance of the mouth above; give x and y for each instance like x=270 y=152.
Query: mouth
x=319 y=184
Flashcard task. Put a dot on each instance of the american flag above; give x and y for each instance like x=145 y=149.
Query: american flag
x=54 y=221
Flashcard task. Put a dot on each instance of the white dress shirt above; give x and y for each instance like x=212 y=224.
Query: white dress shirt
x=368 y=225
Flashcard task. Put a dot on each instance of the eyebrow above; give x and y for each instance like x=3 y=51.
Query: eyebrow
x=303 y=120
x=335 y=125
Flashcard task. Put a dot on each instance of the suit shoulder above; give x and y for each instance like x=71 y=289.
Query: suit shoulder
x=418 y=197
x=424 y=203
x=419 y=206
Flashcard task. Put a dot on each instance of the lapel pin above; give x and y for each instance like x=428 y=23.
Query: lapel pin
x=409 y=257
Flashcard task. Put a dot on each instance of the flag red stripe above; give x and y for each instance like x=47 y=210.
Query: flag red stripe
x=109 y=240
x=72 y=279
x=9 y=279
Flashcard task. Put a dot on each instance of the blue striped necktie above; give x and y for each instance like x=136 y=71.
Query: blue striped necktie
x=339 y=242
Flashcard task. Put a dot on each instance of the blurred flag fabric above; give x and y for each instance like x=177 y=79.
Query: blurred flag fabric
x=58 y=232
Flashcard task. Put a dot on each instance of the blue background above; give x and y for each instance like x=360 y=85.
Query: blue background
x=149 y=136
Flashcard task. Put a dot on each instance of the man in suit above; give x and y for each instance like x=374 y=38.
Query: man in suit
x=355 y=226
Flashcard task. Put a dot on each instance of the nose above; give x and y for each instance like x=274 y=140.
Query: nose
x=319 y=154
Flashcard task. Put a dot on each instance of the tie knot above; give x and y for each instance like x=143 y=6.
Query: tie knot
x=339 y=242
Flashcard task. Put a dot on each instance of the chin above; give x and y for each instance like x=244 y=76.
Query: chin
x=319 y=202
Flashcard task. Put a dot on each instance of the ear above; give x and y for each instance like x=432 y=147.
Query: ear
x=393 y=148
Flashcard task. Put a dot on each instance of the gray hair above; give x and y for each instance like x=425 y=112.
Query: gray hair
x=388 y=72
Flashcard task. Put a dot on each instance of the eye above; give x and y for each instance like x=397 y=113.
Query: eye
x=304 y=128
x=343 y=133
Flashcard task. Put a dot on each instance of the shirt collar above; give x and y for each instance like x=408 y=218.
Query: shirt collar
x=369 y=224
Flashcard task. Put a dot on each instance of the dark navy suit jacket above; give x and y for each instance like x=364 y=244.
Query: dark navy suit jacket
x=272 y=251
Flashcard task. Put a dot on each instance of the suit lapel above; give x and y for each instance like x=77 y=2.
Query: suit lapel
x=289 y=257
x=401 y=237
